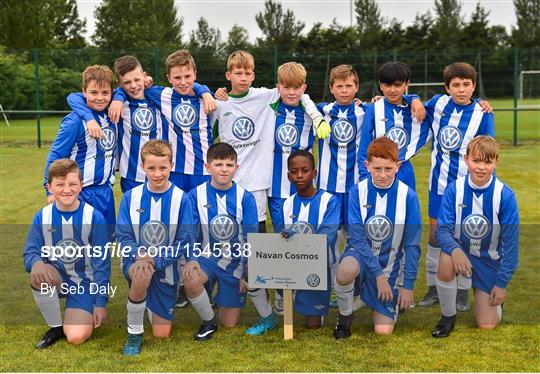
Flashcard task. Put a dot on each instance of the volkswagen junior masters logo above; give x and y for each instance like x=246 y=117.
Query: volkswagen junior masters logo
x=154 y=233
x=108 y=141
x=223 y=227
x=343 y=131
x=302 y=227
x=476 y=226
x=450 y=138
x=243 y=128
x=398 y=135
x=143 y=119
x=185 y=115
x=287 y=135
x=379 y=228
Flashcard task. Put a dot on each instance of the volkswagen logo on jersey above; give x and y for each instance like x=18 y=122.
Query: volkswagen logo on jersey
x=398 y=135
x=476 y=226
x=313 y=280
x=379 y=228
x=143 y=119
x=302 y=227
x=343 y=131
x=450 y=138
x=243 y=128
x=223 y=227
x=108 y=142
x=185 y=115
x=154 y=233
x=70 y=249
x=287 y=135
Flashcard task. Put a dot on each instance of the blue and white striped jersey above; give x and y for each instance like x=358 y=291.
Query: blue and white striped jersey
x=96 y=157
x=483 y=221
x=318 y=214
x=338 y=153
x=156 y=220
x=395 y=122
x=293 y=131
x=453 y=127
x=70 y=232
x=385 y=226
x=140 y=122
x=225 y=217
x=185 y=126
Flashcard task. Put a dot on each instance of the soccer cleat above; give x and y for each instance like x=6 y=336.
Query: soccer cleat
x=462 y=300
x=431 y=297
x=52 y=335
x=444 y=327
x=181 y=298
x=343 y=326
x=263 y=325
x=133 y=345
x=278 y=306
x=207 y=329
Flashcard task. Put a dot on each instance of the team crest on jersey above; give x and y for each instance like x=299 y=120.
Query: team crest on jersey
x=143 y=119
x=287 y=135
x=398 y=135
x=70 y=249
x=313 y=280
x=185 y=115
x=450 y=138
x=302 y=227
x=243 y=128
x=154 y=233
x=108 y=142
x=223 y=227
x=379 y=228
x=476 y=226
x=343 y=131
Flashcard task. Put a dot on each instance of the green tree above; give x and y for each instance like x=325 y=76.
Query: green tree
x=279 y=28
x=137 y=24
x=335 y=38
x=237 y=39
x=369 y=23
x=526 y=34
x=205 y=37
x=448 y=23
x=68 y=28
x=418 y=35
x=478 y=34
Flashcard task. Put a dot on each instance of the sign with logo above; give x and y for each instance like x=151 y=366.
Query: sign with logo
x=398 y=135
x=298 y=263
x=450 y=138
x=343 y=131
x=185 y=115
x=476 y=226
x=108 y=142
x=287 y=135
x=243 y=128
x=143 y=119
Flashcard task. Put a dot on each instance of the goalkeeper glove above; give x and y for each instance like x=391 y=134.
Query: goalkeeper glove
x=323 y=128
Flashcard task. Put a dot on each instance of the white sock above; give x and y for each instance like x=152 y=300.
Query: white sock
x=202 y=306
x=260 y=301
x=447 y=292
x=345 y=298
x=499 y=313
x=135 y=317
x=464 y=282
x=49 y=306
x=432 y=264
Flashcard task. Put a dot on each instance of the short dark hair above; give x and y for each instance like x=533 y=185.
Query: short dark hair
x=220 y=151
x=393 y=72
x=461 y=70
x=301 y=153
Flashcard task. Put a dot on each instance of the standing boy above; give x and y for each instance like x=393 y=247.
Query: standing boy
x=154 y=229
x=95 y=157
x=227 y=213
x=383 y=246
x=478 y=229
x=57 y=259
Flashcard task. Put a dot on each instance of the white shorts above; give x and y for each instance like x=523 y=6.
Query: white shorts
x=261 y=200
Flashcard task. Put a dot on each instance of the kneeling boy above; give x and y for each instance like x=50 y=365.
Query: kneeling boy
x=478 y=229
x=383 y=244
x=57 y=260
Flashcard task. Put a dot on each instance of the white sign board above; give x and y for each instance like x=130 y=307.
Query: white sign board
x=298 y=263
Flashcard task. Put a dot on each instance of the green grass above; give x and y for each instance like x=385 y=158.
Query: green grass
x=513 y=346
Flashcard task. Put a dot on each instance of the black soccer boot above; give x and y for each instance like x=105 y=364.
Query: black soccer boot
x=52 y=335
x=444 y=327
x=207 y=329
x=343 y=326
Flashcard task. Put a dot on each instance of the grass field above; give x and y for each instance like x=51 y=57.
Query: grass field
x=513 y=346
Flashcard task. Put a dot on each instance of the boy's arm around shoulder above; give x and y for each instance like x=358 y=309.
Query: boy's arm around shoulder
x=322 y=127
x=77 y=103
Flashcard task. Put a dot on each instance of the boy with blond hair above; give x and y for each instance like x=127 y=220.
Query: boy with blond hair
x=95 y=157
x=478 y=230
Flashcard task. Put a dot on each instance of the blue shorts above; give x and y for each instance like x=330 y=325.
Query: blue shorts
x=160 y=296
x=275 y=205
x=406 y=174
x=367 y=287
x=128 y=184
x=102 y=199
x=228 y=285
x=82 y=299
x=434 y=204
x=484 y=272
x=187 y=182
x=312 y=303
